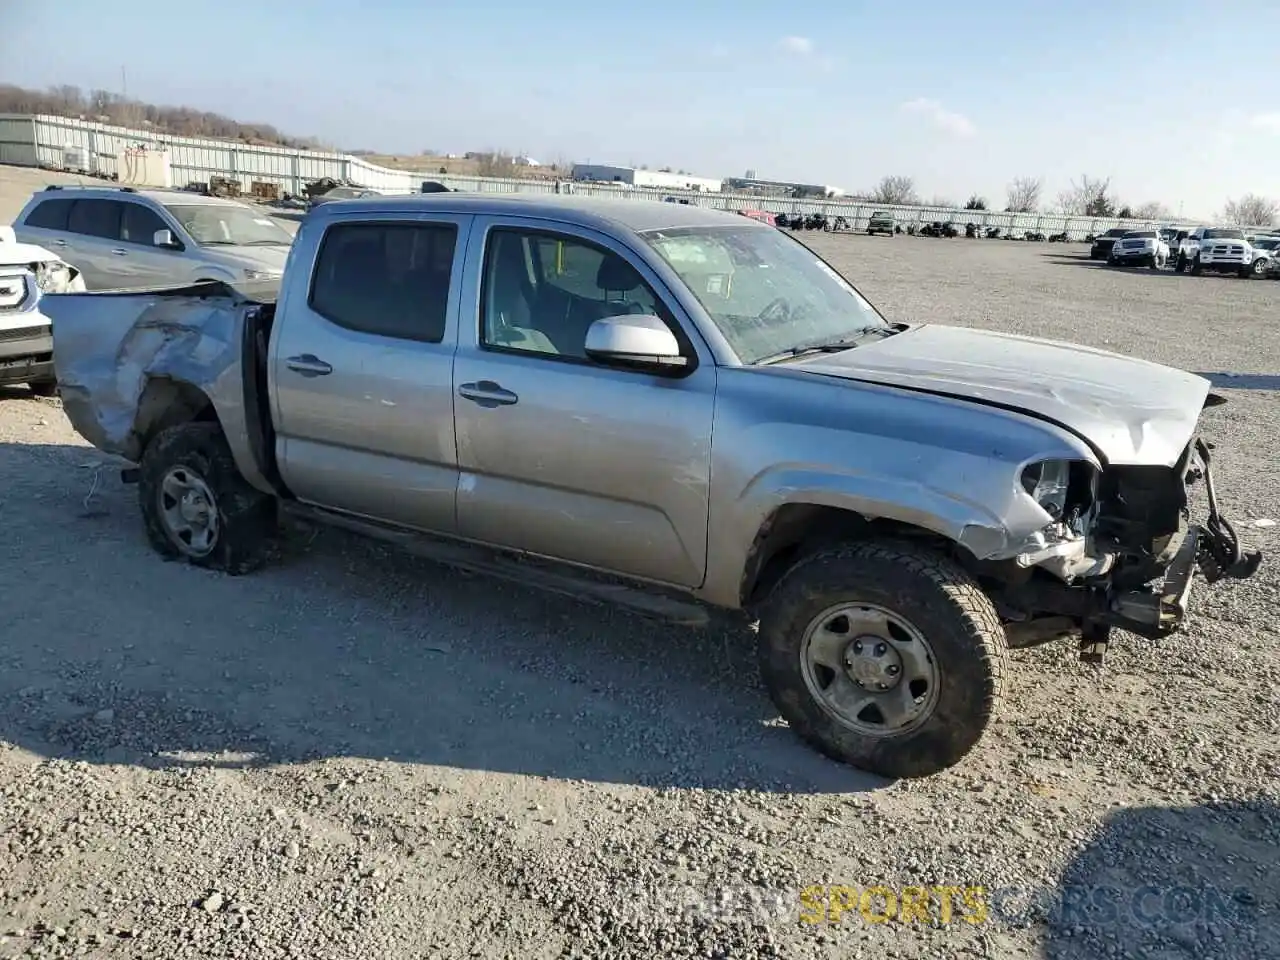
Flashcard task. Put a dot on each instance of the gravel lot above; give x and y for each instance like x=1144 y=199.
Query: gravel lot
x=358 y=754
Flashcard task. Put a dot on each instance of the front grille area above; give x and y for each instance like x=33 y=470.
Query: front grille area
x=23 y=333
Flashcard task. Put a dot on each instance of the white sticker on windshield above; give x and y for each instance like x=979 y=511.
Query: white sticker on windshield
x=262 y=221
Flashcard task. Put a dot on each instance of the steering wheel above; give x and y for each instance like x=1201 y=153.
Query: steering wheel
x=776 y=309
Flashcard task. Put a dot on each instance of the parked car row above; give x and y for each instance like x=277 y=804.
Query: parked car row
x=1225 y=250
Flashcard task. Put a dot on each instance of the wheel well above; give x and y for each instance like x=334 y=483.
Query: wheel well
x=797 y=529
x=166 y=403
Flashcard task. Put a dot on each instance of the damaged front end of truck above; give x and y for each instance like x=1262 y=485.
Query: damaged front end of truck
x=1122 y=552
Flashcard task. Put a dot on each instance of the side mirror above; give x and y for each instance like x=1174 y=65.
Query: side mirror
x=163 y=238
x=636 y=341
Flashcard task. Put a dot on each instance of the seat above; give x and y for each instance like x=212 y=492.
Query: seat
x=509 y=317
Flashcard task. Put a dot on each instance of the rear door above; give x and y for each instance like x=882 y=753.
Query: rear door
x=362 y=368
x=94 y=227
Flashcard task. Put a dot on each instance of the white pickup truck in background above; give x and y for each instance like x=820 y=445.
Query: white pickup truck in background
x=26 y=338
x=1216 y=249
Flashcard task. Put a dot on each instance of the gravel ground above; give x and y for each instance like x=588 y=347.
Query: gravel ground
x=357 y=754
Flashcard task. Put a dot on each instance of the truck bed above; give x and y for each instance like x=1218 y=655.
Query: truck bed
x=115 y=352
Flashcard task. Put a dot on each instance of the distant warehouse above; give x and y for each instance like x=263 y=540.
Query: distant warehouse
x=603 y=173
x=782 y=188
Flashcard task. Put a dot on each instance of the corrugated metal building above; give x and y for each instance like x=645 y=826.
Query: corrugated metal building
x=604 y=173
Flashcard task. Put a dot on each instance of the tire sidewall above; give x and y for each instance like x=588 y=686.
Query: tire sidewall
x=245 y=516
x=968 y=682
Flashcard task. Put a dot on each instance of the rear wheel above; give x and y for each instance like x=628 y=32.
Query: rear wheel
x=1259 y=268
x=197 y=507
x=1180 y=265
x=884 y=656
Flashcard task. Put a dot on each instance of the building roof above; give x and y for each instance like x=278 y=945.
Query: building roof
x=595 y=212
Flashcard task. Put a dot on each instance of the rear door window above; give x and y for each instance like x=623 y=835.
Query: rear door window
x=96 y=218
x=386 y=279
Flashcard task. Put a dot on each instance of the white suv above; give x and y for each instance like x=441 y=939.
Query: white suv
x=126 y=237
x=1216 y=249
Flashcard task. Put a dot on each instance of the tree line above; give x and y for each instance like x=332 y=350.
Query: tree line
x=103 y=106
x=1087 y=197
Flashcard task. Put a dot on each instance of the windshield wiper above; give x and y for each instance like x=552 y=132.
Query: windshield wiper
x=834 y=345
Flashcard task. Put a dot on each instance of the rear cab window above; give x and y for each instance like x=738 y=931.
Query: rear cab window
x=386 y=278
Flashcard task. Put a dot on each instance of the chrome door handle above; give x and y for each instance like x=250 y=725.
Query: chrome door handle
x=487 y=394
x=118 y=252
x=309 y=365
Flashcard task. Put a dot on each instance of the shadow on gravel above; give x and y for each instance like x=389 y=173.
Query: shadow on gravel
x=1173 y=882
x=1242 y=381
x=346 y=648
x=1082 y=260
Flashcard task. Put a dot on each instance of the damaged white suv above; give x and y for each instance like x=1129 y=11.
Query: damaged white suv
x=26 y=340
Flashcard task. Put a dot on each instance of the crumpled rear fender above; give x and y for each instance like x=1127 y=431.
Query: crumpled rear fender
x=129 y=363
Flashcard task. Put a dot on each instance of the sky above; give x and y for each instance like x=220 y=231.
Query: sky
x=1170 y=103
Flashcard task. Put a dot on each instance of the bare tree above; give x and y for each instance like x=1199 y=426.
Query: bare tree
x=495 y=163
x=895 y=190
x=1152 y=210
x=1252 y=210
x=976 y=202
x=1024 y=195
x=939 y=200
x=1090 y=197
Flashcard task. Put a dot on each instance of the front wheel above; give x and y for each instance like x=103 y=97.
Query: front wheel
x=43 y=388
x=1195 y=266
x=1258 y=270
x=884 y=656
x=1180 y=265
x=196 y=505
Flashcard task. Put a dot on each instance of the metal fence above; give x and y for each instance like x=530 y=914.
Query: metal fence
x=44 y=141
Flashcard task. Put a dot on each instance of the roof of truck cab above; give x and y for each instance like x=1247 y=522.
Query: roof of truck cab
x=596 y=212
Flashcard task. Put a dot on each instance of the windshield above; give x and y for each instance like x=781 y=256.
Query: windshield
x=229 y=225
x=766 y=292
x=1116 y=232
x=1222 y=233
x=1266 y=243
x=1140 y=235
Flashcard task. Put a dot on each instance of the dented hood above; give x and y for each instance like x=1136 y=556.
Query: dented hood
x=1131 y=411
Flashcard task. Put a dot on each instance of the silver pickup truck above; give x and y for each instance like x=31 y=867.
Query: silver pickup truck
x=679 y=410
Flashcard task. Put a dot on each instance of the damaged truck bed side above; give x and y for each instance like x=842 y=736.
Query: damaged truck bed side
x=678 y=410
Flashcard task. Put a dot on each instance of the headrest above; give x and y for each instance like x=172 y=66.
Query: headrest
x=616 y=274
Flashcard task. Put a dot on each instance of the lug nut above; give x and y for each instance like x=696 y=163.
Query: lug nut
x=857 y=646
x=880 y=648
x=891 y=670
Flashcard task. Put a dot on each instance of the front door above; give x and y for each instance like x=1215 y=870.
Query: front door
x=142 y=263
x=362 y=368
x=562 y=457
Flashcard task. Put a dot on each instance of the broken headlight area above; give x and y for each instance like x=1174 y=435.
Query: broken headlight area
x=54 y=276
x=1066 y=490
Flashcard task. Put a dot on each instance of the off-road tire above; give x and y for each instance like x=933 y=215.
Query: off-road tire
x=1180 y=264
x=247 y=518
x=945 y=604
x=43 y=388
x=1195 y=266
